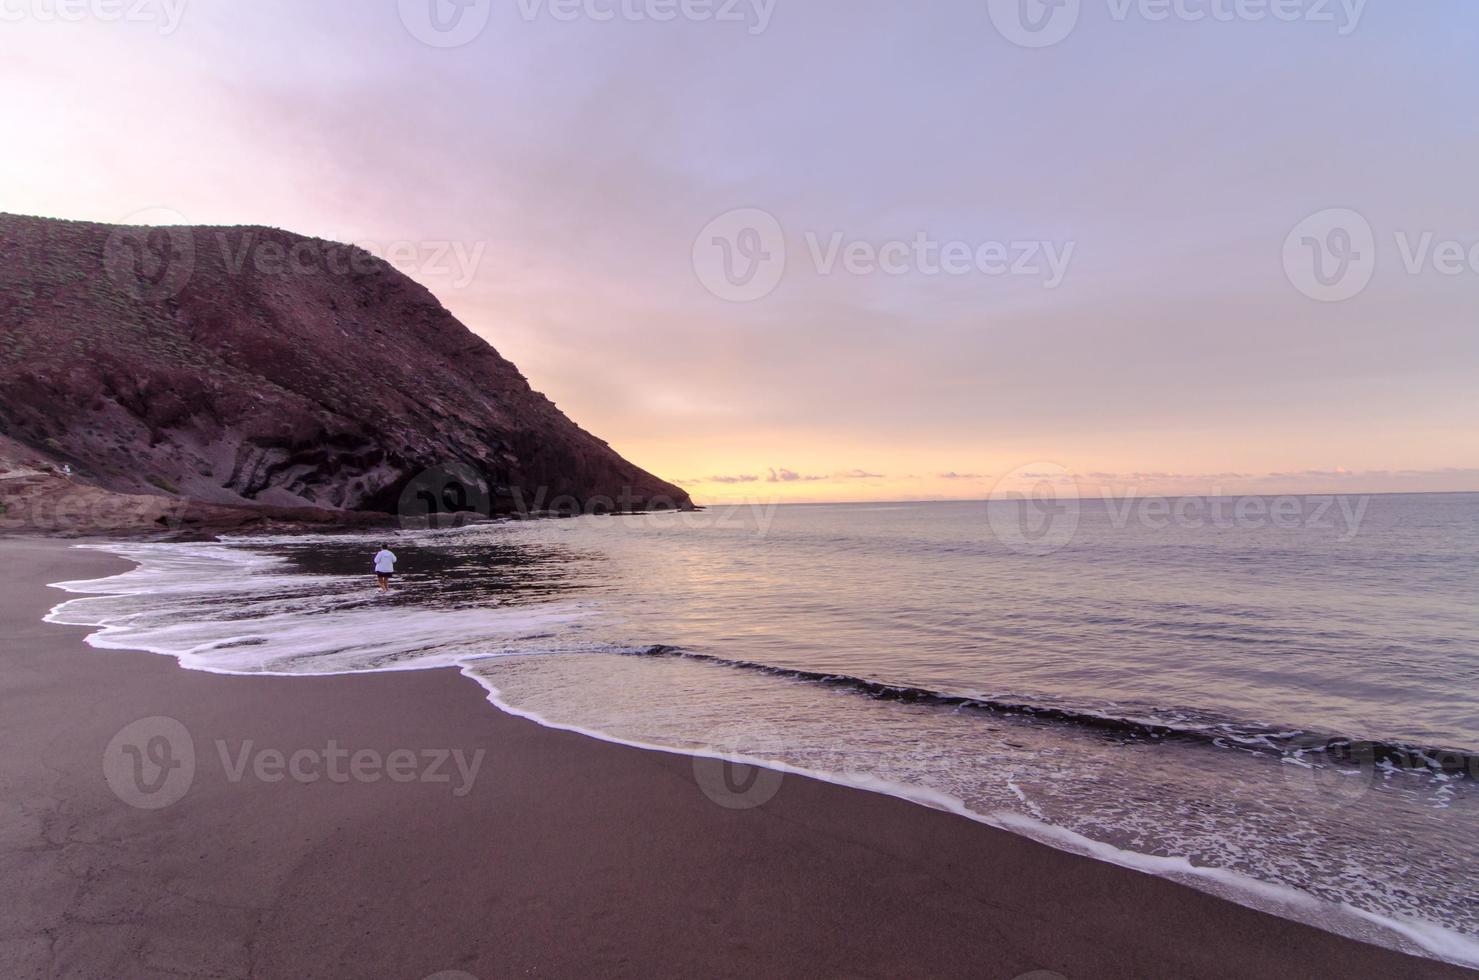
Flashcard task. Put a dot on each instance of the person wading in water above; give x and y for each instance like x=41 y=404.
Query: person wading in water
x=384 y=567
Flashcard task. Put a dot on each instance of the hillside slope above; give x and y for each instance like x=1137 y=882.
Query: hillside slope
x=250 y=366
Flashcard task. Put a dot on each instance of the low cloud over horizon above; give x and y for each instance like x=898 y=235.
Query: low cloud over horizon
x=972 y=486
x=781 y=474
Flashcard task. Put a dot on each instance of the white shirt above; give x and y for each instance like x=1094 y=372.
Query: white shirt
x=385 y=562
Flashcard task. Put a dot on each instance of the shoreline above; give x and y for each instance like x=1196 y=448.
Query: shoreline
x=573 y=819
x=1225 y=885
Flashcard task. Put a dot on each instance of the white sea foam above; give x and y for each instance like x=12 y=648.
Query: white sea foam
x=172 y=604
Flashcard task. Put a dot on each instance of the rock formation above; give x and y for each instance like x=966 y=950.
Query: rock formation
x=252 y=367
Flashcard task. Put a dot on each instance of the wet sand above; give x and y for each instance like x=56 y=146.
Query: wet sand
x=566 y=856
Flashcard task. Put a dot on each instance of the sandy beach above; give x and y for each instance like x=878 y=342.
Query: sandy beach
x=555 y=855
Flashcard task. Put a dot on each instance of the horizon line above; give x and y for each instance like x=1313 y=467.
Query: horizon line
x=1199 y=496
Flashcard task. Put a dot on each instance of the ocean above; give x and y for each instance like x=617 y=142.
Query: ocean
x=1271 y=700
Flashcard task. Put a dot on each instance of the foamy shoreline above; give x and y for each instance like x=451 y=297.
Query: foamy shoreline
x=1344 y=920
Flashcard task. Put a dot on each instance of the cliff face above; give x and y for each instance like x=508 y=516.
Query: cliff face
x=251 y=366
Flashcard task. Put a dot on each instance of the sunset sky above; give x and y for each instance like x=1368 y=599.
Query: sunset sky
x=556 y=182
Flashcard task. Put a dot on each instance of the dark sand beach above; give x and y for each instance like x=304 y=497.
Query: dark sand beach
x=567 y=857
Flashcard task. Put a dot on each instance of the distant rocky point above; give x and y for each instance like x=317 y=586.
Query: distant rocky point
x=235 y=375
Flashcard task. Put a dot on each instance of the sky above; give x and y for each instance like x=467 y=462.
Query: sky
x=820 y=250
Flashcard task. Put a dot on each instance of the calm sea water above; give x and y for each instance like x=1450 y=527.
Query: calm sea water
x=1276 y=703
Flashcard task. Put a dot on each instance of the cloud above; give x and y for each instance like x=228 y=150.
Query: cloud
x=783 y=475
x=952 y=475
x=1445 y=471
x=1374 y=480
x=740 y=478
x=1296 y=473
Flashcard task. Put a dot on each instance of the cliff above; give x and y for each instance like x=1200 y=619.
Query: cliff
x=250 y=367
